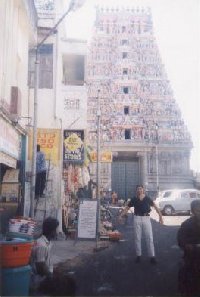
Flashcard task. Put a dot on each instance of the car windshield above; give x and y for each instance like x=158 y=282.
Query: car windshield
x=167 y=194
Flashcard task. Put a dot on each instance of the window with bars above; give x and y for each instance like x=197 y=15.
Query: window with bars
x=45 y=78
x=74 y=69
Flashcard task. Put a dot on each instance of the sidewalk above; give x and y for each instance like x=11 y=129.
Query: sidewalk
x=68 y=249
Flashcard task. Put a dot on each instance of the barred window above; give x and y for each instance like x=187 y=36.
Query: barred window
x=74 y=69
x=45 y=67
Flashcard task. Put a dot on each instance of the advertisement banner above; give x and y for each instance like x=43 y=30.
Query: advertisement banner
x=73 y=146
x=105 y=156
x=49 y=141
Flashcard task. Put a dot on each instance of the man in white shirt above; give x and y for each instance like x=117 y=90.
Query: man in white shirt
x=41 y=253
x=44 y=281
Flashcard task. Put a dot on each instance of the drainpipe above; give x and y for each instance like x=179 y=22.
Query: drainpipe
x=34 y=147
x=157 y=165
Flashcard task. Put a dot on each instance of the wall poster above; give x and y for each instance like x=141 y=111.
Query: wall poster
x=73 y=146
x=87 y=220
x=49 y=141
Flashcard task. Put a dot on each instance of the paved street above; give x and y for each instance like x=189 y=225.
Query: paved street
x=112 y=271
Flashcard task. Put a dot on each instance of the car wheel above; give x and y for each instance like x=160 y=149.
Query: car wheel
x=168 y=210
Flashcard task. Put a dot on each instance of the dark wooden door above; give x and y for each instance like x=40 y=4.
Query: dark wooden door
x=125 y=177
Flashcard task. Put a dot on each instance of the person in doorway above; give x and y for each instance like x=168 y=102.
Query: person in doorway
x=41 y=172
x=106 y=198
x=142 y=206
x=114 y=198
x=44 y=280
x=92 y=189
x=188 y=238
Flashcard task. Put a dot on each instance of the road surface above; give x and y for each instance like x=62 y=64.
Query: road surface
x=113 y=272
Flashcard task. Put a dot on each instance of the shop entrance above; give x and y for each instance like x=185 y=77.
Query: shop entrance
x=125 y=176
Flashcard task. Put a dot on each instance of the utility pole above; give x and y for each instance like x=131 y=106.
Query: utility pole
x=34 y=145
x=157 y=175
x=74 y=4
x=98 y=167
x=157 y=165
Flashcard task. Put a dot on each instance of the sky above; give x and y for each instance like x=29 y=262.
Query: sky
x=177 y=31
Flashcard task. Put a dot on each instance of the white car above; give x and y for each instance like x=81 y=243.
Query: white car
x=176 y=201
x=165 y=193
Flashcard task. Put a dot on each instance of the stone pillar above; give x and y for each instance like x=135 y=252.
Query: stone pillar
x=143 y=168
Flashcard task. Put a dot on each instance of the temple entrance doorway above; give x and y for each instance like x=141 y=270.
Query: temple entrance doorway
x=125 y=175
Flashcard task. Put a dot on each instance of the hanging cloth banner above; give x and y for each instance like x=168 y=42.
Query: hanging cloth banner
x=73 y=146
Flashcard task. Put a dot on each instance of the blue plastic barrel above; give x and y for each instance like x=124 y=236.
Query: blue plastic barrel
x=16 y=281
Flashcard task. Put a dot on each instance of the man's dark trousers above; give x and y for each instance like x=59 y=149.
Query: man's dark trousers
x=40 y=183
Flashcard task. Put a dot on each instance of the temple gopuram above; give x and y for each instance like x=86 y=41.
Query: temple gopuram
x=141 y=123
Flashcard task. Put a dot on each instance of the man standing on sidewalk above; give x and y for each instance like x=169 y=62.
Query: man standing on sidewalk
x=142 y=224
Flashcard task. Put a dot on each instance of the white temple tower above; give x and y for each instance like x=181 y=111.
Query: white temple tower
x=141 y=122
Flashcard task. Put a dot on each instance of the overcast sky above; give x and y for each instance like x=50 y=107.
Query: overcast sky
x=177 y=31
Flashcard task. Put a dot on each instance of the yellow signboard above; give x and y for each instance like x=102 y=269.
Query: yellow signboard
x=73 y=149
x=49 y=141
x=105 y=156
x=73 y=142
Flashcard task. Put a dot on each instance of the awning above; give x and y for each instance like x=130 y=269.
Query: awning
x=8 y=160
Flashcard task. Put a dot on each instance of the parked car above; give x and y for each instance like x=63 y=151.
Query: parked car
x=165 y=193
x=176 y=201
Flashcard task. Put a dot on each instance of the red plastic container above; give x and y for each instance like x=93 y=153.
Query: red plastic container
x=115 y=235
x=15 y=252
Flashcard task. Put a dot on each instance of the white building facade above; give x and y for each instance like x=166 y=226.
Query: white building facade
x=61 y=101
x=18 y=21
